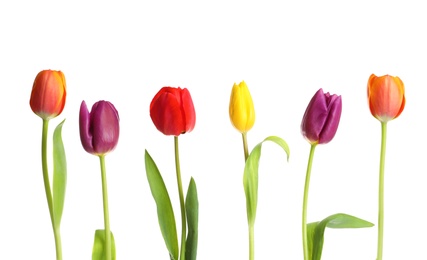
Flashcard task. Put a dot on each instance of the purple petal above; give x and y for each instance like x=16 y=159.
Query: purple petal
x=85 y=134
x=105 y=127
x=333 y=119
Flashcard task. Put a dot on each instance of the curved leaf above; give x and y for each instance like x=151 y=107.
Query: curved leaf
x=98 y=246
x=339 y=220
x=165 y=213
x=250 y=176
x=59 y=175
x=192 y=210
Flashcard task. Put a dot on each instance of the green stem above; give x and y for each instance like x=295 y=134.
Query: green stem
x=251 y=242
x=48 y=191
x=250 y=225
x=245 y=146
x=58 y=244
x=181 y=200
x=381 y=192
x=304 y=207
x=105 y=204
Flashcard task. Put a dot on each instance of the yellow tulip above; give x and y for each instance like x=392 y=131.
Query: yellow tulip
x=242 y=112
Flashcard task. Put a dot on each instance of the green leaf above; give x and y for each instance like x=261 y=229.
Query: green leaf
x=165 y=213
x=192 y=210
x=59 y=175
x=339 y=220
x=98 y=246
x=250 y=176
x=311 y=227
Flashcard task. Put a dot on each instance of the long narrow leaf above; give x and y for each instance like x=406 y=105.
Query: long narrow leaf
x=339 y=220
x=59 y=175
x=165 y=213
x=192 y=210
x=98 y=246
x=250 y=176
x=311 y=228
x=281 y=143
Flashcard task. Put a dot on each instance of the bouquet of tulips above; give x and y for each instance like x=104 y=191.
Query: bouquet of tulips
x=173 y=114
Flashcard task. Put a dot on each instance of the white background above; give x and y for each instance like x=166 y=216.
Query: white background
x=125 y=52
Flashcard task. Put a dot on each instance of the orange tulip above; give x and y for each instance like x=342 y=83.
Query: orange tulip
x=48 y=94
x=386 y=96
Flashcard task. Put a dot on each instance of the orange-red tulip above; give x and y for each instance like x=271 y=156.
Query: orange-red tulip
x=386 y=96
x=48 y=94
x=172 y=111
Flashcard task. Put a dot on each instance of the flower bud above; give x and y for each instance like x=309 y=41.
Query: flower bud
x=386 y=97
x=99 y=129
x=241 y=109
x=321 y=118
x=48 y=94
x=172 y=111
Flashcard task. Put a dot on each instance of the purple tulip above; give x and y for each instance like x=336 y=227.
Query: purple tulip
x=99 y=129
x=321 y=118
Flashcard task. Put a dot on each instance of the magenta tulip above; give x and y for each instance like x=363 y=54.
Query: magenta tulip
x=321 y=118
x=99 y=129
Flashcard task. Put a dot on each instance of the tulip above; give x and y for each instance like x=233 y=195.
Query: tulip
x=319 y=125
x=386 y=96
x=241 y=109
x=47 y=101
x=48 y=94
x=172 y=111
x=321 y=118
x=99 y=129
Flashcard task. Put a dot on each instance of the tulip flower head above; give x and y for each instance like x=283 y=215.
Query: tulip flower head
x=48 y=94
x=99 y=129
x=321 y=118
x=386 y=97
x=172 y=111
x=241 y=109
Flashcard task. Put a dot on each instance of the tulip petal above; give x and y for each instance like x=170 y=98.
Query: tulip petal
x=188 y=110
x=105 y=126
x=401 y=87
x=332 y=121
x=85 y=133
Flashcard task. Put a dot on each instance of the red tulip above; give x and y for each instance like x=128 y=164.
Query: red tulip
x=172 y=111
x=48 y=94
x=99 y=129
x=386 y=97
x=321 y=118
